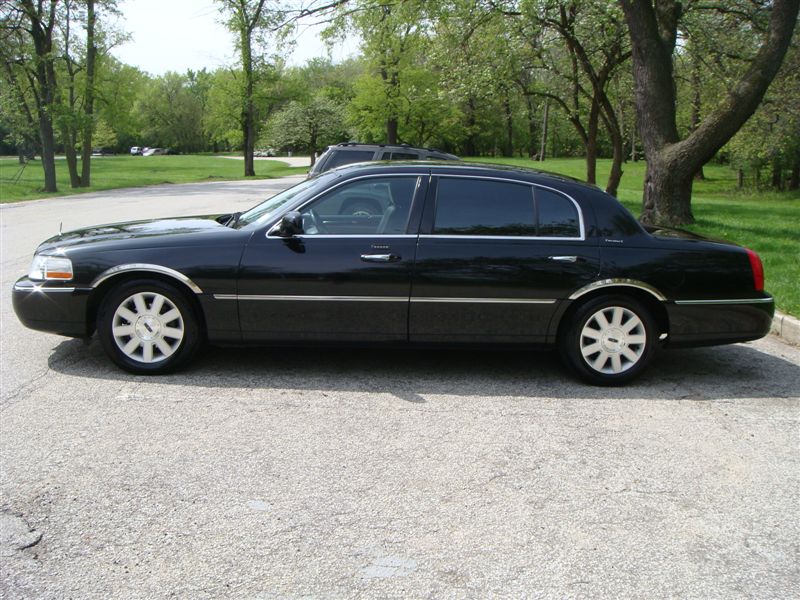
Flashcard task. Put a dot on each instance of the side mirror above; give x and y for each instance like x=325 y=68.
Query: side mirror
x=290 y=224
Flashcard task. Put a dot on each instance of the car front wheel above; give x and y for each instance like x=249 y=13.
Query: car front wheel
x=609 y=340
x=148 y=327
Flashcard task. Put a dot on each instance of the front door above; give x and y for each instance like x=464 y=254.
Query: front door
x=347 y=277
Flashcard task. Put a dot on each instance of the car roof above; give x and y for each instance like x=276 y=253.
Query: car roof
x=444 y=167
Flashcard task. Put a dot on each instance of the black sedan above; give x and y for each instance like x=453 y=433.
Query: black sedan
x=457 y=255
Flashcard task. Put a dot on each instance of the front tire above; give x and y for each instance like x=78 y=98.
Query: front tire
x=609 y=340
x=148 y=327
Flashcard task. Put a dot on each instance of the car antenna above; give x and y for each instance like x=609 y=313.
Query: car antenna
x=60 y=227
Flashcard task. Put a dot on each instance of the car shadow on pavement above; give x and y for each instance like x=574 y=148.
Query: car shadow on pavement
x=727 y=372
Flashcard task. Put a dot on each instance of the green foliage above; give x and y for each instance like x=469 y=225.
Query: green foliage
x=306 y=125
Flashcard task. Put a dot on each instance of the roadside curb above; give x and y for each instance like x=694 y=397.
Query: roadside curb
x=786 y=327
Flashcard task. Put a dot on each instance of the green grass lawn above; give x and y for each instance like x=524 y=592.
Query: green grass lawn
x=766 y=221
x=110 y=172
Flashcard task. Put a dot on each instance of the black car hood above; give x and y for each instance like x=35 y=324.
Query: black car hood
x=153 y=231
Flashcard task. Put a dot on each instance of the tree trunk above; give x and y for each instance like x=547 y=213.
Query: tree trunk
x=45 y=75
x=777 y=175
x=48 y=152
x=545 y=123
x=739 y=178
x=508 y=148
x=666 y=188
x=794 y=178
x=88 y=106
x=391 y=130
x=248 y=109
x=470 y=148
x=591 y=143
x=531 y=114
x=634 y=155
x=615 y=176
x=72 y=159
x=653 y=31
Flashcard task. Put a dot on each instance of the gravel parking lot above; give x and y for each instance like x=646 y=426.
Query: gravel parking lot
x=273 y=473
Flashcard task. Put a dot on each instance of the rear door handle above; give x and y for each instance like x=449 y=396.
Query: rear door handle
x=380 y=258
x=571 y=259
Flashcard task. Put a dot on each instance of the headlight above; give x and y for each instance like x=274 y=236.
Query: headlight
x=50 y=267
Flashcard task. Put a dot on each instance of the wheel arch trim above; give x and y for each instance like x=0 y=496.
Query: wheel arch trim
x=618 y=282
x=147 y=268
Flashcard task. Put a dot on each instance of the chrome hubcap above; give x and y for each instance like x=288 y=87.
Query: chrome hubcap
x=147 y=327
x=613 y=340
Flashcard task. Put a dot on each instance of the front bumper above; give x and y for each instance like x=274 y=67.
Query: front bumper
x=59 y=309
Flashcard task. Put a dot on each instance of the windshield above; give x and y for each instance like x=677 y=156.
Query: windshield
x=263 y=212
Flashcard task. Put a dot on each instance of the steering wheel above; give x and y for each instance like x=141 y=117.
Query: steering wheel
x=315 y=223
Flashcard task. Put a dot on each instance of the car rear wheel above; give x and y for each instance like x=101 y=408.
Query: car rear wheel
x=609 y=340
x=148 y=327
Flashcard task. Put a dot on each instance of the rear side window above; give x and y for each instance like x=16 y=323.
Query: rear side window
x=558 y=216
x=477 y=207
x=346 y=157
x=399 y=156
x=501 y=208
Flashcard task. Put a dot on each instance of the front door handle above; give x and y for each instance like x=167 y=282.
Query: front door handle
x=381 y=258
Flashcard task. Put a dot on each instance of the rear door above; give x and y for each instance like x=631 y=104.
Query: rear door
x=494 y=259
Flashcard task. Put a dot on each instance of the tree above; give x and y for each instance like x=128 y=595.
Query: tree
x=249 y=20
x=29 y=59
x=672 y=162
x=308 y=125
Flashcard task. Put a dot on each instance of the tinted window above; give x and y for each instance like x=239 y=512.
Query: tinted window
x=346 y=157
x=399 y=156
x=477 y=207
x=558 y=216
x=379 y=205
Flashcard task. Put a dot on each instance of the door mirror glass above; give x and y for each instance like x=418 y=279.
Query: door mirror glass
x=291 y=224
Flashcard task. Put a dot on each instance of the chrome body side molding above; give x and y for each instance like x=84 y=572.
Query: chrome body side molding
x=619 y=282
x=728 y=301
x=382 y=299
x=132 y=267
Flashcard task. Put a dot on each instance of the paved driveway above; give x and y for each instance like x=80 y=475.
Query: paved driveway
x=319 y=473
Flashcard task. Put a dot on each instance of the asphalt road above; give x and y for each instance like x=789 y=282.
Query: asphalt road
x=265 y=473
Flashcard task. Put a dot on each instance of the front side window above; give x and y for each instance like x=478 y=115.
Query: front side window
x=482 y=207
x=377 y=205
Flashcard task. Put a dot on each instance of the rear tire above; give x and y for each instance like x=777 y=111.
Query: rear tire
x=148 y=327
x=609 y=340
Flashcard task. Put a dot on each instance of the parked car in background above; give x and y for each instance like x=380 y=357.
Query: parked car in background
x=103 y=152
x=460 y=255
x=351 y=152
x=136 y=151
x=155 y=151
x=264 y=153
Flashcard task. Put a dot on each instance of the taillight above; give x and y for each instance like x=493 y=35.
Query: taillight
x=758 y=270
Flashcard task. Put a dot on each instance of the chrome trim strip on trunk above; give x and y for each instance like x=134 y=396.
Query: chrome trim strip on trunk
x=728 y=301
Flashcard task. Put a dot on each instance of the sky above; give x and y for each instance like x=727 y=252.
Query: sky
x=176 y=35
